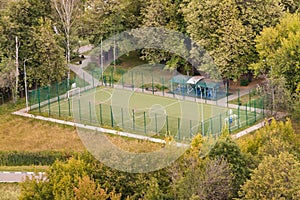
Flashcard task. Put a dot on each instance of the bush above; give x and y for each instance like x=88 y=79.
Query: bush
x=244 y=82
x=15 y=158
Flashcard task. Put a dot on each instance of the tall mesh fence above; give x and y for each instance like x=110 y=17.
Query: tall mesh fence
x=52 y=101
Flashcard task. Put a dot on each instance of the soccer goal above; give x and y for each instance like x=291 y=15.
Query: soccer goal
x=73 y=91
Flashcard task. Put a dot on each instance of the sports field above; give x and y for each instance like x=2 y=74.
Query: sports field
x=146 y=114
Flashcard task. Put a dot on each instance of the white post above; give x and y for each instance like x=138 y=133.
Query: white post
x=17 y=68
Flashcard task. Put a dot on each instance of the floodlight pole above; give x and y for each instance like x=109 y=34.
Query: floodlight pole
x=25 y=80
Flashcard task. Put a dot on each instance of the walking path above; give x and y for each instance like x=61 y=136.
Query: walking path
x=16 y=177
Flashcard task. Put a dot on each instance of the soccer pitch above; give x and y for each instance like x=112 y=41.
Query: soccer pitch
x=145 y=113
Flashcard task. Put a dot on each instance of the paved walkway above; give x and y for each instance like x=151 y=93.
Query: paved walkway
x=16 y=177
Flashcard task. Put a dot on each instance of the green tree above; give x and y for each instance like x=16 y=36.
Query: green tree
x=276 y=177
x=291 y=6
x=238 y=162
x=233 y=56
x=36 y=189
x=68 y=12
x=88 y=189
x=271 y=140
x=60 y=181
x=202 y=177
x=48 y=63
x=102 y=19
x=167 y=14
x=216 y=26
x=205 y=179
x=8 y=75
x=278 y=51
x=259 y=14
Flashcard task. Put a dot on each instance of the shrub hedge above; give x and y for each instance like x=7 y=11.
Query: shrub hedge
x=17 y=158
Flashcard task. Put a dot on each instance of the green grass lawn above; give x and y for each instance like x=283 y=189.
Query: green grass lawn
x=144 y=113
x=24 y=134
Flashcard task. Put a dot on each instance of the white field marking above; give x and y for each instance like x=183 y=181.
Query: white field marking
x=107 y=92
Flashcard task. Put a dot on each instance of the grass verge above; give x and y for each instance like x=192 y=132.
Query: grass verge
x=23 y=168
x=9 y=191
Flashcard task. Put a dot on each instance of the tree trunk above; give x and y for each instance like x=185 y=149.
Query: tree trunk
x=17 y=71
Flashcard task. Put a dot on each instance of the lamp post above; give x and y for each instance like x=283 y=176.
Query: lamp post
x=25 y=80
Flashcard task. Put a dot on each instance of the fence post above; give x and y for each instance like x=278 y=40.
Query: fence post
x=122 y=118
x=246 y=115
x=56 y=85
x=238 y=116
x=190 y=129
x=123 y=80
x=83 y=80
x=217 y=90
x=238 y=96
x=90 y=109
x=221 y=123
x=167 y=123
x=132 y=84
x=133 y=120
x=93 y=79
x=163 y=86
x=79 y=109
x=100 y=108
x=156 y=131
x=142 y=82
x=263 y=105
x=39 y=99
x=227 y=92
x=49 y=107
x=254 y=104
x=112 y=77
x=183 y=89
x=152 y=85
x=58 y=99
x=250 y=100
x=211 y=127
x=178 y=122
x=69 y=106
x=67 y=85
x=111 y=117
x=145 y=129
x=202 y=127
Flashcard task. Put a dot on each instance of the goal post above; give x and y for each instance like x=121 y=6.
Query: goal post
x=72 y=92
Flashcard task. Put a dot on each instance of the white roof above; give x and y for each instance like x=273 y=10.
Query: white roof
x=195 y=79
